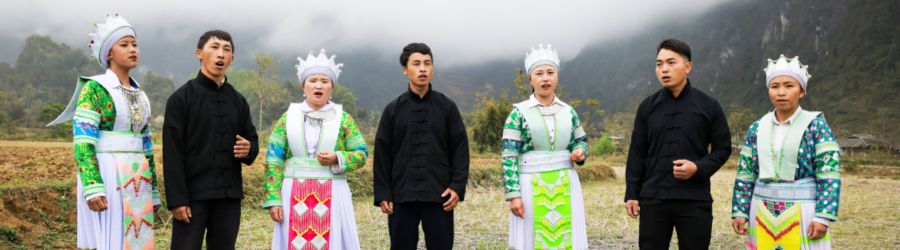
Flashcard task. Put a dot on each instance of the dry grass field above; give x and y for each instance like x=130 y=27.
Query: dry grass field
x=37 y=206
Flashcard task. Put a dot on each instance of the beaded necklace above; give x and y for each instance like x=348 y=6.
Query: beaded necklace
x=778 y=160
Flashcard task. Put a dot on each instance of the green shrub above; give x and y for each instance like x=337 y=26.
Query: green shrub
x=602 y=146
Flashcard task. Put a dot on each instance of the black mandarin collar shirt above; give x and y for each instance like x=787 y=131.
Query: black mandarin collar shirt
x=201 y=121
x=669 y=128
x=421 y=149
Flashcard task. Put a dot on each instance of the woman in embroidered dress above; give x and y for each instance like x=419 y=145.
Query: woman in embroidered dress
x=311 y=148
x=116 y=181
x=542 y=141
x=788 y=185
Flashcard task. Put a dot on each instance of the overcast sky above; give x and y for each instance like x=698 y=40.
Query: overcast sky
x=459 y=31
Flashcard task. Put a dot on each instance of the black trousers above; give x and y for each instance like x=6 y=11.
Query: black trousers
x=219 y=220
x=403 y=225
x=692 y=221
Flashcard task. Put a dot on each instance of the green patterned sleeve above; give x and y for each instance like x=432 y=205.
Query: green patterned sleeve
x=148 y=153
x=278 y=152
x=747 y=172
x=352 y=150
x=828 y=171
x=579 y=140
x=512 y=144
x=86 y=135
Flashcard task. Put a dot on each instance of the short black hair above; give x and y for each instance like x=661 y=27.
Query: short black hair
x=678 y=46
x=414 y=48
x=220 y=34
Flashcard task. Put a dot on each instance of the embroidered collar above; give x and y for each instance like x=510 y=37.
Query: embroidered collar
x=790 y=119
x=533 y=101
x=324 y=113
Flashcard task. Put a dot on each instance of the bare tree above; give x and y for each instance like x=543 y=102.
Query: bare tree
x=266 y=79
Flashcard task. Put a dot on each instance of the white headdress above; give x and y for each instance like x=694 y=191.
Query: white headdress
x=320 y=64
x=787 y=67
x=105 y=36
x=541 y=56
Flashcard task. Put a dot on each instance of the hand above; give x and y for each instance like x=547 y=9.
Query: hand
x=684 y=169
x=182 y=213
x=276 y=214
x=739 y=225
x=387 y=207
x=577 y=155
x=633 y=209
x=326 y=158
x=98 y=204
x=516 y=207
x=241 y=147
x=452 y=202
x=817 y=230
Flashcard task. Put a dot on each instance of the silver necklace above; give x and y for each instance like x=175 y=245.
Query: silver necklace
x=136 y=107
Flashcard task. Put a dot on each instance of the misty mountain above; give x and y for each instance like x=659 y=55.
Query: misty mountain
x=852 y=48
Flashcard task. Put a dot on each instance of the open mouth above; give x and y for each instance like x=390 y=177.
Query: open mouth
x=220 y=64
x=133 y=58
x=545 y=86
x=318 y=94
x=666 y=78
x=423 y=77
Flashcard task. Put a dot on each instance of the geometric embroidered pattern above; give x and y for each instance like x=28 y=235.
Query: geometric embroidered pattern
x=310 y=215
x=135 y=178
x=777 y=207
x=778 y=231
x=517 y=140
x=777 y=224
x=552 y=210
x=137 y=201
x=818 y=157
x=350 y=147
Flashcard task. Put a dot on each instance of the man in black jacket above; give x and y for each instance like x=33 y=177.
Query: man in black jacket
x=669 y=162
x=421 y=158
x=207 y=135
